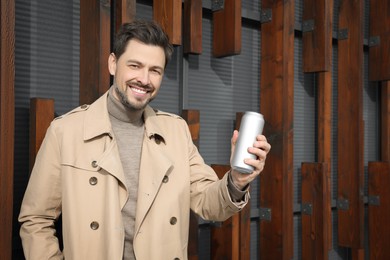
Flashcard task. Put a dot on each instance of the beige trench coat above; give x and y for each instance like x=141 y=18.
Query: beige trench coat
x=78 y=174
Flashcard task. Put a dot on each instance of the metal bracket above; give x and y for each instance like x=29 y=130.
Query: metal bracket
x=266 y=16
x=307 y=208
x=308 y=26
x=217 y=5
x=374 y=200
x=265 y=214
x=343 y=204
x=343 y=34
x=374 y=41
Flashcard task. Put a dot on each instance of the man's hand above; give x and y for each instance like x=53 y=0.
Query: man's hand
x=260 y=148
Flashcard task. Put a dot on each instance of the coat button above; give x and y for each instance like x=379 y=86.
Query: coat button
x=176 y=258
x=94 y=225
x=173 y=220
x=165 y=179
x=93 y=180
x=84 y=106
x=94 y=164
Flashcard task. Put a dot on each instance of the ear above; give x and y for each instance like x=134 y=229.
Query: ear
x=112 y=64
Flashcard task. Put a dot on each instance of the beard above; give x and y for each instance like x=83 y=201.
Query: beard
x=126 y=102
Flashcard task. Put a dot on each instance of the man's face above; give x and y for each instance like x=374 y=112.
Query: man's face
x=137 y=73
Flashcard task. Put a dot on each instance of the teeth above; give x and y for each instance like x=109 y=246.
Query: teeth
x=141 y=91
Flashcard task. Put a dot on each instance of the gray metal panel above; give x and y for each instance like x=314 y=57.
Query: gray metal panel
x=304 y=119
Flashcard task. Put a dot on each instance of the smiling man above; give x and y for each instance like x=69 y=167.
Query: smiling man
x=124 y=176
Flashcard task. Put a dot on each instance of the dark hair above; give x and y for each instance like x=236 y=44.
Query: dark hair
x=148 y=32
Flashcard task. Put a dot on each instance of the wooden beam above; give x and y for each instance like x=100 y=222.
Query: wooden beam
x=192 y=27
x=244 y=217
x=315 y=205
x=192 y=118
x=7 y=122
x=226 y=236
x=378 y=209
x=227 y=29
x=350 y=125
x=276 y=104
x=168 y=14
x=385 y=121
x=379 y=42
x=125 y=11
x=95 y=41
x=324 y=85
x=41 y=115
x=317 y=35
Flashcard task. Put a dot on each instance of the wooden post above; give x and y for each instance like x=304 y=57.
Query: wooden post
x=276 y=104
x=193 y=120
x=378 y=209
x=168 y=14
x=192 y=27
x=379 y=41
x=350 y=125
x=315 y=201
x=7 y=122
x=95 y=39
x=225 y=238
x=227 y=29
x=125 y=12
x=317 y=35
x=41 y=115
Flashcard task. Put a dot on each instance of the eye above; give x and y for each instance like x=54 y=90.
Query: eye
x=133 y=66
x=156 y=71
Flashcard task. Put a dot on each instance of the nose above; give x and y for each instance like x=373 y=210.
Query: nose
x=143 y=77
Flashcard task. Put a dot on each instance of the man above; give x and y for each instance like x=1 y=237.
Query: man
x=125 y=176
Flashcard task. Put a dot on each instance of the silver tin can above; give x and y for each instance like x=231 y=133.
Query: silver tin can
x=252 y=125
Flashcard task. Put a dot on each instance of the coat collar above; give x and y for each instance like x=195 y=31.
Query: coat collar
x=97 y=121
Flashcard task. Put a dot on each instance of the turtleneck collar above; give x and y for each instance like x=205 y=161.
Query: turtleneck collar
x=120 y=112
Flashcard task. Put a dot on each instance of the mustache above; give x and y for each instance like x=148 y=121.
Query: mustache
x=139 y=85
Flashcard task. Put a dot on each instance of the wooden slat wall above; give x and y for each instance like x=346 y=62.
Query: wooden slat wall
x=227 y=29
x=317 y=43
x=95 y=33
x=385 y=121
x=225 y=238
x=379 y=54
x=276 y=100
x=41 y=115
x=315 y=192
x=379 y=215
x=192 y=27
x=7 y=122
x=125 y=12
x=350 y=124
x=168 y=14
x=192 y=118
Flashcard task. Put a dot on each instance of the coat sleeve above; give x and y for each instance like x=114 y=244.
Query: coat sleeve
x=210 y=197
x=41 y=204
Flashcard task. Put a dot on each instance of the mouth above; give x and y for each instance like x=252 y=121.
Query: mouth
x=139 y=90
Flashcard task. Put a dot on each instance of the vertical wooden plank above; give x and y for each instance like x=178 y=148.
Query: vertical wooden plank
x=350 y=125
x=378 y=209
x=192 y=27
x=125 y=11
x=317 y=35
x=192 y=118
x=314 y=205
x=225 y=238
x=276 y=104
x=324 y=84
x=168 y=14
x=227 y=29
x=385 y=121
x=41 y=115
x=95 y=41
x=244 y=217
x=7 y=122
x=379 y=42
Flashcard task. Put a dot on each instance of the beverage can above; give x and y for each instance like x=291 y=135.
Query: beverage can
x=252 y=124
